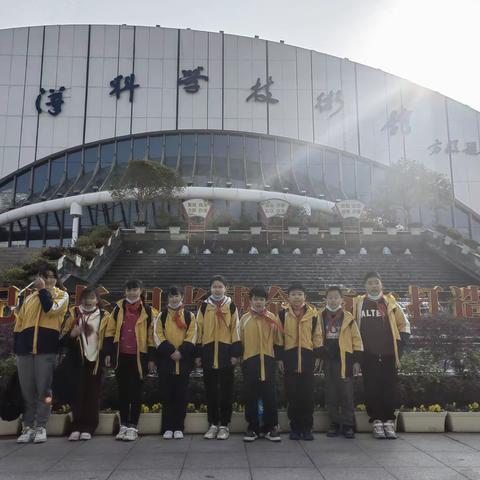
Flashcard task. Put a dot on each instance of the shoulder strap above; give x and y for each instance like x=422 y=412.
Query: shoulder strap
x=188 y=317
x=232 y=308
x=281 y=316
x=203 y=307
x=163 y=317
x=314 y=324
x=148 y=309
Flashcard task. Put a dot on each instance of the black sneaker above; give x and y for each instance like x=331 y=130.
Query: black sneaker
x=333 y=430
x=273 y=435
x=250 y=436
x=348 y=432
x=307 y=436
x=294 y=435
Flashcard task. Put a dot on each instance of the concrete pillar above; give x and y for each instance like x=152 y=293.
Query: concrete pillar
x=76 y=212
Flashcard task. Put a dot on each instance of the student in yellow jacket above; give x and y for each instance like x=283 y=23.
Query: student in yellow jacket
x=219 y=348
x=83 y=337
x=175 y=336
x=385 y=330
x=129 y=347
x=303 y=339
x=261 y=335
x=341 y=356
x=37 y=330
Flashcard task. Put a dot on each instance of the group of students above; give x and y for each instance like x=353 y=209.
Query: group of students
x=135 y=340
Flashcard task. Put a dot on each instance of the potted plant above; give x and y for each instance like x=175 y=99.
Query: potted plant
x=196 y=420
x=296 y=218
x=255 y=228
x=316 y=221
x=416 y=228
x=146 y=182
x=238 y=423
x=362 y=420
x=174 y=224
x=150 y=422
x=320 y=419
x=9 y=428
x=107 y=422
x=423 y=419
x=367 y=226
x=452 y=236
x=335 y=227
x=391 y=227
x=59 y=420
x=469 y=245
x=283 y=421
x=463 y=420
x=223 y=221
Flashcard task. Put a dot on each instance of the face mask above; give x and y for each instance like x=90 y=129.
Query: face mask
x=174 y=305
x=330 y=309
x=375 y=298
x=217 y=298
x=89 y=309
x=132 y=301
x=258 y=310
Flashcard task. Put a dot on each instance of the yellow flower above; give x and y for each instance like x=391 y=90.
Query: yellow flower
x=361 y=407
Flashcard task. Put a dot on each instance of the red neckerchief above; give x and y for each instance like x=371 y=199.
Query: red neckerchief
x=264 y=314
x=334 y=317
x=177 y=317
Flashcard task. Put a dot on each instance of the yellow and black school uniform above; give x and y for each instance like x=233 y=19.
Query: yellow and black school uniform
x=129 y=342
x=85 y=365
x=38 y=324
x=174 y=329
x=218 y=341
x=385 y=330
x=261 y=334
x=303 y=339
x=342 y=348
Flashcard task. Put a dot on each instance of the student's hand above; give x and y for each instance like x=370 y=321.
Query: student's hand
x=281 y=367
x=198 y=362
x=234 y=361
x=108 y=361
x=152 y=367
x=39 y=283
x=318 y=365
x=356 y=369
x=176 y=355
x=75 y=332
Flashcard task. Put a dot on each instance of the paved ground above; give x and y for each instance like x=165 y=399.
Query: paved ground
x=413 y=456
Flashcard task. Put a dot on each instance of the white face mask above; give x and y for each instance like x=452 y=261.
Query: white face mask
x=174 y=305
x=132 y=301
x=336 y=309
x=88 y=309
x=217 y=298
x=375 y=298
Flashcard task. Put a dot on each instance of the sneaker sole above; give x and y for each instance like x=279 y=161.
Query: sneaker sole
x=274 y=439
x=249 y=440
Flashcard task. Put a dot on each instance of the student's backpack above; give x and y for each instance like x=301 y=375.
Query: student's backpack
x=203 y=308
x=147 y=308
x=164 y=314
x=281 y=316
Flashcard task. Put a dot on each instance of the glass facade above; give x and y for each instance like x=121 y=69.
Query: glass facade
x=202 y=158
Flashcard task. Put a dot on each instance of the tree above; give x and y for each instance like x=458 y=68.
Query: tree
x=146 y=182
x=409 y=184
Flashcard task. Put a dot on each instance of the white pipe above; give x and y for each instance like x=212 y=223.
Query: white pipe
x=206 y=193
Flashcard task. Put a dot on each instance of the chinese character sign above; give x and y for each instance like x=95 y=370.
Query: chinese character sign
x=55 y=100
x=190 y=79
x=197 y=207
x=350 y=208
x=274 y=208
x=129 y=85
x=257 y=90
x=326 y=101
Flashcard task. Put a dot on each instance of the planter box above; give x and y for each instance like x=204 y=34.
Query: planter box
x=9 y=428
x=423 y=422
x=313 y=230
x=174 y=230
x=416 y=230
x=140 y=228
x=367 y=230
x=283 y=421
x=223 y=230
x=196 y=423
x=447 y=240
x=293 y=230
x=255 y=230
x=238 y=423
x=334 y=230
x=391 y=230
x=150 y=423
x=107 y=422
x=321 y=421
x=466 y=249
x=58 y=423
x=463 y=421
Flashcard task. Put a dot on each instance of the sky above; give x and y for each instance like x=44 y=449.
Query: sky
x=434 y=43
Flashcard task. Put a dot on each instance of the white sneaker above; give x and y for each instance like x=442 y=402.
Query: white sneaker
x=40 y=435
x=85 y=436
x=121 y=433
x=378 y=431
x=168 y=435
x=178 y=434
x=27 y=435
x=211 y=432
x=74 y=436
x=223 y=433
x=131 y=434
x=389 y=429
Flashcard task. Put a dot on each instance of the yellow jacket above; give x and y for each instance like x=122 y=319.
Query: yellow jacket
x=143 y=333
x=260 y=337
x=397 y=320
x=302 y=339
x=168 y=337
x=37 y=330
x=349 y=340
x=70 y=323
x=218 y=340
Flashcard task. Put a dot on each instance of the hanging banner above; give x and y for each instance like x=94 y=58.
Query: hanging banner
x=274 y=208
x=197 y=207
x=350 y=208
